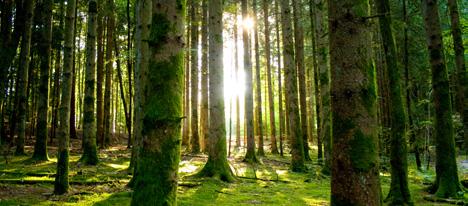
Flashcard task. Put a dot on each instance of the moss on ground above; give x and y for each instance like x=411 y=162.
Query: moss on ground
x=269 y=183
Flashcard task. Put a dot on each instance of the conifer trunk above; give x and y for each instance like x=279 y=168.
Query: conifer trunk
x=447 y=183
x=292 y=102
x=355 y=161
x=258 y=84
x=45 y=53
x=194 y=137
x=61 y=179
x=89 y=124
x=160 y=90
x=204 y=77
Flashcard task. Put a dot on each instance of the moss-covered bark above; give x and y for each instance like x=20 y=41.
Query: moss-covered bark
x=89 y=124
x=204 y=78
x=194 y=27
x=100 y=76
x=159 y=92
x=22 y=76
x=217 y=165
x=399 y=193
x=45 y=51
x=250 y=156
x=61 y=179
x=109 y=72
x=292 y=102
x=355 y=162
x=447 y=184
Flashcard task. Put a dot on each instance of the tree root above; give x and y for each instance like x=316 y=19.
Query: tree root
x=433 y=198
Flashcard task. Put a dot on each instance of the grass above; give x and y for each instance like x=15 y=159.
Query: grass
x=270 y=183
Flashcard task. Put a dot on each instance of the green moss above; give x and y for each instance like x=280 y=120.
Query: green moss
x=61 y=180
x=159 y=29
x=369 y=94
x=363 y=151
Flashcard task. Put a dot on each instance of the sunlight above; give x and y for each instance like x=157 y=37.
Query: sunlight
x=248 y=23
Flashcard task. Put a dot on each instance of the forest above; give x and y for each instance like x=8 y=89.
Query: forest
x=233 y=102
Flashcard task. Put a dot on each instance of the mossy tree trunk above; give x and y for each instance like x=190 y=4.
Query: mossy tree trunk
x=462 y=76
x=301 y=74
x=282 y=128
x=61 y=179
x=204 y=77
x=45 y=53
x=160 y=84
x=22 y=76
x=271 y=102
x=217 y=165
x=292 y=102
x=399 y=193
x=355 y=160
x=188 y=53
x=194 y=137
x=258 y=85
x=447 y=184
x=109 y=72
x=250 y=156
x=89 y=124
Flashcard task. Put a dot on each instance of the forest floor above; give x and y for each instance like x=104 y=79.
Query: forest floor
x=23 y=182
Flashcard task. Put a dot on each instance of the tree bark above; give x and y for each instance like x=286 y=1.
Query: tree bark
x=282 y=120
x=446 y=184
x=204 y=78
x=194 y=138
x=160 y=86
x=258 y=84
x=100 y=75
x=22 y=76
x=90 y=156
x=61 y=180
x=292 y=102
x=109 y=73
x=355 y=160
x=45 y=53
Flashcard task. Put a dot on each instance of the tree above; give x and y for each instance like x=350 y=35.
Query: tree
x=290 y=73
x=89 y=126
x=45 y=52
x=446 y=184
x=353 y=101
x=282 y=120
x=22 y=76
x=61 y=179
x=462 y=76
x=100 y=76
x=271 y=102
x=258 y=84
x=250 y=156
x=299 y=52
x=399 y=192
x=195 y=138
x=109 y=71
x=204 y=76
x=217 y=165
x=160 y=86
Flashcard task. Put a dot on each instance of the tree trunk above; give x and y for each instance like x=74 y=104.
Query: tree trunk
x=100 y=76
x=204 y=77
x=258 y=84
x=23 y=68
x=194 y=138
x=129 y=74
x=280 y=80
x=109 y=71
x=127 y=111
x=271 y=102
x=160 y=96
x=217 y=165
x=89 y=127
x=462 y=76
x=300 y=67
x=447 y=184
x=237 y=71
x=250 y=156
x=353 y=99
x=399 y=192
x=61 y=179
x=73 y=90
x=295 y=131
x=45 y=53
